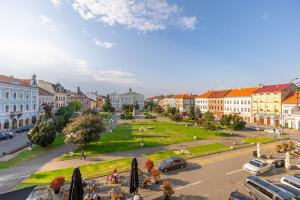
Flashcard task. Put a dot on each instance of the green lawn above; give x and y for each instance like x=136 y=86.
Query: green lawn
x=127 y=137
x=261 y=140
x=36 y=151
x=87 y=171
x=195 y=151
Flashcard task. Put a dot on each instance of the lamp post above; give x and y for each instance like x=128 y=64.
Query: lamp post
x=195 y=126
x=111 y=122
x=142 y=131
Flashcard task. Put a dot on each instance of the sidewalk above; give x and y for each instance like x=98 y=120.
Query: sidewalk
x=138 y=153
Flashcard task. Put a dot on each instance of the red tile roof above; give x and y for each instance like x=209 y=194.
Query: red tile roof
x=184 y=96
x=12 y=80
x=219 y=94
x=272 y=88
x=205 y=94
x=292 y=98
x=241 y=92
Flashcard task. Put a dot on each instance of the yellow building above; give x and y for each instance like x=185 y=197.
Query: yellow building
x=267 y=103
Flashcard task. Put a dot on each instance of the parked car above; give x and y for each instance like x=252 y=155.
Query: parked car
x=257 y=167
x=25 y=128
x=260 y=189
x=253 y=128
x=238 y=196
x=272 y=131
x=171 y=164
x=5 y=136
x=292 y=191
x=291 y=180
x=17 y=130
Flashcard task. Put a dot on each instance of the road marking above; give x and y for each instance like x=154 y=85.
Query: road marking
x=234 y=172
x=189 y=185
x=17 y=177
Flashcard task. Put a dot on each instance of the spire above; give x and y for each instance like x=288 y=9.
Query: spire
x=33 y=80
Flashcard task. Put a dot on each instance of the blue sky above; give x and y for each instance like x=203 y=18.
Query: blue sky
x=153 y=46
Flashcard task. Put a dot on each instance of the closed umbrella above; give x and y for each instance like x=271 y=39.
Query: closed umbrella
x=134 y=177
x=258 y=150
x=287 y=160
x=76 y=189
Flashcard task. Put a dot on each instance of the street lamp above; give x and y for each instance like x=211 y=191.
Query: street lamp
x=195 y=126
x=142 y=131
x=111 y=122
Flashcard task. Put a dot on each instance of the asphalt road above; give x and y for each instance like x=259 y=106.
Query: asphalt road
x=14 y=143
x=214 y=177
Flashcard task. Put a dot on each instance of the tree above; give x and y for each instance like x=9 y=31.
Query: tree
x=107 y=107
x=198 y=114
x=171 y=110
x=234 y=122
x=64 y=114
x=42 y=134
x=48 y=110
x=191 y=113
x=83 y=130
x=207 y=121
x=158 y=109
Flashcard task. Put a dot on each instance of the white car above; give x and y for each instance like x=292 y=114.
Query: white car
x=257 y=167
x=291 y=180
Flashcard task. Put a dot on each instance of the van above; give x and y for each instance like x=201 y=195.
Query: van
x=291 y=180
x=259 y=189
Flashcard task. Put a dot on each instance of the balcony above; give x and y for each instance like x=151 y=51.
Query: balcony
x=16 y=114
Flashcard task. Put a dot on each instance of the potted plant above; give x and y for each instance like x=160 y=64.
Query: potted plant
x=57 y=183
x=167 y=188
x=291 y=145
x=155 y=174
x=278 y=148
x=149 y=165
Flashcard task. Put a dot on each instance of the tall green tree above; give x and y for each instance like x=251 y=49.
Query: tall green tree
x=191 y=113
x=107 y=107
x=207 y=121
x=83 y=130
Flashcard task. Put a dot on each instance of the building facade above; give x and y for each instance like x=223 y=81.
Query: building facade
x=290 y=113
x=128 y=98
x=239 y=101
x=86 y=102
x=19 y=100
x=184 y=102
x=45 y=97
x=267 y=103
x=201 y=101
x=59 y=92
x=167 y=102
x=216 y=103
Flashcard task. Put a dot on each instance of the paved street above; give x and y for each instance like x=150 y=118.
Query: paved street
x=11 y=144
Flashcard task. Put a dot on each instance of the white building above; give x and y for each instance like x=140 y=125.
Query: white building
x=59 y=92
x=239 y=101
x=168 y=101
x=118 y=100
x=201 y=102
x=290 y=116
x=18 y=102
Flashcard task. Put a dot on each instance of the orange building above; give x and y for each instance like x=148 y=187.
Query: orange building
x=184 y=102
x=216 y=103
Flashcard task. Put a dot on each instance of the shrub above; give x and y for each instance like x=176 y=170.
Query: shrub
x=149 y=165
x=167 y=188
x=43 y=134
x=57 y=182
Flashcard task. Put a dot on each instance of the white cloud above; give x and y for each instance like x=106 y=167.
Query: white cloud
x=103 y=44
x=143 y=15
x=109 y=76
x=24 y=56
x=57 y=3
x=188 y=22
x=48 y=22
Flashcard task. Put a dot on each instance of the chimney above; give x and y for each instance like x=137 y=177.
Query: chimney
x=241 y=87
x=260 y=85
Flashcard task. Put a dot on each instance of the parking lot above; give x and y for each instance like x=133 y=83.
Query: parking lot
x=215 y=177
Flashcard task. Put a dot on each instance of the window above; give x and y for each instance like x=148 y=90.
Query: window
x=27 y=107
x=7 y=95
x=15 y=108
x=27 y=96
x=34 y=106
x=242 y=102
x=15 y=95
x=7 y=108
x=266 y=193
x=21 y=108
x=21 y=95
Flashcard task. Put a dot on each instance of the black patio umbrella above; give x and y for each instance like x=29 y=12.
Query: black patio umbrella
x=21 y=194
x=76 y=188
x=134 y=177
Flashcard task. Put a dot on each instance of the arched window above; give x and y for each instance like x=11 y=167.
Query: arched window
x=6 y=124
x=33 y=119
x=14 y=123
